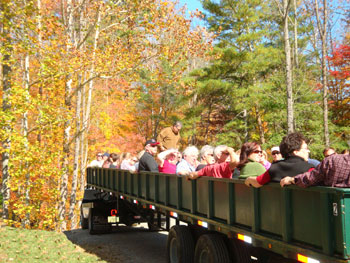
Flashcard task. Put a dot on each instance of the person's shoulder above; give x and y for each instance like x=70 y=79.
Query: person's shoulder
x=337 y=158
x=145 y=156
x=182 y=162
x=254 y=165
x=166 y=129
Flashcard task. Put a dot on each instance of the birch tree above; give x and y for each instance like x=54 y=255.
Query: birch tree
x=322 y=21
x=6 y=51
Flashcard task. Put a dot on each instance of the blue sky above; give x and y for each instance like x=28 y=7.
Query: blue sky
x=191 y=4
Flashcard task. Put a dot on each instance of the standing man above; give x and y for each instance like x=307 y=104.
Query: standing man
x=169 y=137
x=147 y=161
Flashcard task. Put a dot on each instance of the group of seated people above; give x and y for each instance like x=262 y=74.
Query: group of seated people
x=290 y=163
x=125 y=161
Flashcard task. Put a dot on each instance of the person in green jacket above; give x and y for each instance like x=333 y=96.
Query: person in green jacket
x=250 y=158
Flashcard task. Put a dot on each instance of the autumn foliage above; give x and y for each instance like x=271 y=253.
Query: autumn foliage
x=73 y=73
x=339 y=87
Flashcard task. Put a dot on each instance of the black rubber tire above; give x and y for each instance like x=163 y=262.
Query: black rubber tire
x=180 y=245
x=241 y=251
x=211 y=248
x=84 y=222
x=91 y=226
x=152 y=227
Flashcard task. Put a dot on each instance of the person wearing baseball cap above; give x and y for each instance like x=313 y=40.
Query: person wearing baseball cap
x=276 y=154
x=147 y=161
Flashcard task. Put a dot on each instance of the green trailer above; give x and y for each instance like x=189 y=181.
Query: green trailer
x=223 y=220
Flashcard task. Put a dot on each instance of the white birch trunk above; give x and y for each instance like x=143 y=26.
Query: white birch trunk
x=73 y=194
x=322 y=28
x=289 y=79
x=67 y=127
x=6 y=106
x=26 y=221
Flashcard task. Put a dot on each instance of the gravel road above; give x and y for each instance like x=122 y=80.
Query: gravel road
x=124 y=245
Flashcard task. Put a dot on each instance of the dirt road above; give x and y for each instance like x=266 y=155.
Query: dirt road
x=124 y=245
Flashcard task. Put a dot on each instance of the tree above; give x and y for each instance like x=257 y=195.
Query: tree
x=322 y=29
x=6 y=51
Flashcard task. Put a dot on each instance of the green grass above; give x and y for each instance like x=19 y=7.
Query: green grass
x=22 y=245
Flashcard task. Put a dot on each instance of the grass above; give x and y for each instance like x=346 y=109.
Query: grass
x=23 y=245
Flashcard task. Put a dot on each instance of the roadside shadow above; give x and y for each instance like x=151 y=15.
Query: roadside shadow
x=125 y=244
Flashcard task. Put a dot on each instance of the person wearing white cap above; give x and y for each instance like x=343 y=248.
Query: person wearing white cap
x=276 y=154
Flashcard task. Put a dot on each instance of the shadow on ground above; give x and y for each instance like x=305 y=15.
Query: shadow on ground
x=124 y=244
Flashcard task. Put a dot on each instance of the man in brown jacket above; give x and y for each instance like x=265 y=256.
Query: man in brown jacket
x=169 y=137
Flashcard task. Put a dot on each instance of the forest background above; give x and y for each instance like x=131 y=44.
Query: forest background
x=85 y=76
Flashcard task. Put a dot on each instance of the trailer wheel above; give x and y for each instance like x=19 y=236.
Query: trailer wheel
x=241 y=251
x=211 y=248
x=97 y=223
x=83 y=221
x=180 y=245
x=91 y=225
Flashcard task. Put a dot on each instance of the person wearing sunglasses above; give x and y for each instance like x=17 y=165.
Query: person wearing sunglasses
x=295 y=152
x=276 y=154
x=147 y=161
x=250 y=160
x=220 y=153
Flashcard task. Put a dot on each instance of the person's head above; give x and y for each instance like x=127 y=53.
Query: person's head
x=220 y=153
x=99 y=156
x=190 y=154
x=133 y=160
x=114 y=157
x=207 y=154
x=151 y=146
x=177 y=126
x=346 y=151
x=294 y=144
x=328 y=152
x=250 y=150
x=276 y=153
x=105 y=156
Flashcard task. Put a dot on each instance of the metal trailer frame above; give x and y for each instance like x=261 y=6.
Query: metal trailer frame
x=294 y=222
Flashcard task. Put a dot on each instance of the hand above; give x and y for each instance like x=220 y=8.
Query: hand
x=162 y=148
x=287 y=181
x=251 y=181
x=192 y=175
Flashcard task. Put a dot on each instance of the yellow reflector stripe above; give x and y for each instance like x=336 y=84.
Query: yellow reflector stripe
x=240 y=237
x=304 y=259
